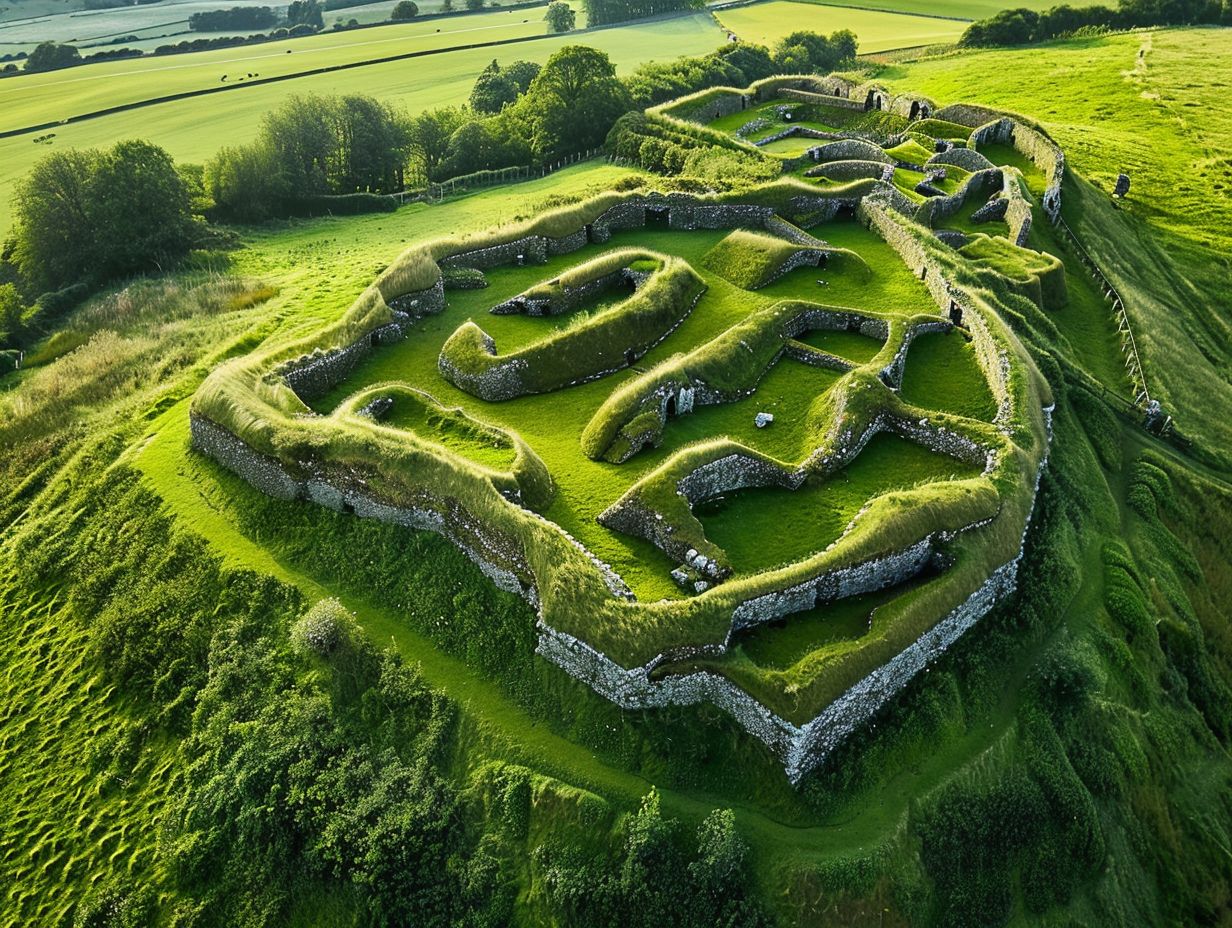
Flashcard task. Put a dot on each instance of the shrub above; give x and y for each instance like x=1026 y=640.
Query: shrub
x=98 y=214
x=322 y=628
x=404 y=10
x=560 y=16
x=50 y=57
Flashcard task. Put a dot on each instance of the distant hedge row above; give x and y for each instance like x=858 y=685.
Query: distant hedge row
x=1022 y=26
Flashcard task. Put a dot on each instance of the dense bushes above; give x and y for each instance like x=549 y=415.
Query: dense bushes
x=653 y=882
x=89 y=215
x=49 y=57
x=605 y=12
x=237 y=17
x=308 y=148
x=1023 y=26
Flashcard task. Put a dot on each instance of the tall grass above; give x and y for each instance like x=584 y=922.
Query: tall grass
x=115 y=347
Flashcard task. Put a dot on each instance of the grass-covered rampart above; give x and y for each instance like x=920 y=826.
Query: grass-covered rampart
x=574 y=596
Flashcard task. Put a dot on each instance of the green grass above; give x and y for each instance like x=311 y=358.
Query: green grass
x=853 y=346
x=942 y=373
x=153 y=24
x=962 y=9
x=764 y=528
x=35 y=98
x=1111 y=110
x=193 y=130
x=767 y=23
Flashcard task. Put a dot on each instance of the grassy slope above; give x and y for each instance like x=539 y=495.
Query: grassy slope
x=1161 y=109
x=766 y=23
x=861 y=845
x=193 y=130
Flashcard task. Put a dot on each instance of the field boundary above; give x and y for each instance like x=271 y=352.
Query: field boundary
x=1129 y=346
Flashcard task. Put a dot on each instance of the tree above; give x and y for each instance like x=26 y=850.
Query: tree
x=305 y=13
x=493 y=89
x=474 y=4
x=11 y=308
x=811 y=52
x=49 y=57
x=430 y=132
x=246 y=183
x=92 y=215
x=522 y=73
x=754 y=60
x=404 y=10
x=573 y=102
x=1008 y=27
x=844 y=45
x=560 y=16
x=483 y=144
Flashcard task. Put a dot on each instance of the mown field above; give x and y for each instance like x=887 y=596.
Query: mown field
x=36 y=98
x=1066 y=763
x=958 y=9
x=767 y=23
x=24 y=24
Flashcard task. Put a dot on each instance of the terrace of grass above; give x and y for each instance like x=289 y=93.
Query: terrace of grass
x=766 y=527
x=552 y=423
x=942 y=373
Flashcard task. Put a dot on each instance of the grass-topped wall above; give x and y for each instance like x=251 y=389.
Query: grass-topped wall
x=591 y=468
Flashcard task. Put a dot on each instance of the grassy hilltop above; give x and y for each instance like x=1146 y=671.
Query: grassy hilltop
x=221 y=708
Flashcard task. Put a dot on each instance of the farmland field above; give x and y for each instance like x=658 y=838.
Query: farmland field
x=958 y=9
x=768 y=22
x=182 y=127
x=151 y=24
x=37 y=98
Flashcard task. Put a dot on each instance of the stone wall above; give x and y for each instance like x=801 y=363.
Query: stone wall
x=935 y=209
x=847 y=170
x=822 y=99
x=853 y=150
x=503 y=565
x=531 y=249
x=992 y=357
x=966 y=158
x=1018 y=215
x=628 y=215
x=568 y=298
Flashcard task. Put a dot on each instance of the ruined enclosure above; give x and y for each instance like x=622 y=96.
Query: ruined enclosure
x=699 y=416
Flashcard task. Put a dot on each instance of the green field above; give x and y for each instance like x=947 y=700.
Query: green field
x=35 y=98
x=172 y=753
x=146 y=26
x=193 y=130
x=767 y=23
x=957 y=9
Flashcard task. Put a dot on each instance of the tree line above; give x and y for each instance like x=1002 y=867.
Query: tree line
x=606 y=12
x=84 y=217
x=1023 y=26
